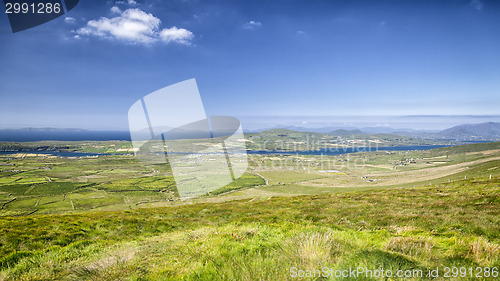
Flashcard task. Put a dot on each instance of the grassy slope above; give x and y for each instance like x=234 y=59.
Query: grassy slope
x=299 y=174
x=446 y=224
x=456 y=224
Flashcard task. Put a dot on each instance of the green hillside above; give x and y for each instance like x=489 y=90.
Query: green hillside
x=114 y=218
x=450 y=225
x=476 y=147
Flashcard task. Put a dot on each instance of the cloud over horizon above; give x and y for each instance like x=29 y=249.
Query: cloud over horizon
x=69 y=20
x=252 y=24
x=136 y=27
x=476 y=4
x=129 y=2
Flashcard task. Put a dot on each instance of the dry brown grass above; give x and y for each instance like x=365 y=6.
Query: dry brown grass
x=483 y=252
x=411 y=246
x=313 y=249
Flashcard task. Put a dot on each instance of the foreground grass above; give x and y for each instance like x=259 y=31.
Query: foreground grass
x=456 y=224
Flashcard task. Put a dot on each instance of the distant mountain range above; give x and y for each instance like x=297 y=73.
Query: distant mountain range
x=343 y=132
x=481 y=131
x=489 y=130
x=369 y=130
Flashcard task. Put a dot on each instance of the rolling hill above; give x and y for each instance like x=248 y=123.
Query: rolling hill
x=489 y=130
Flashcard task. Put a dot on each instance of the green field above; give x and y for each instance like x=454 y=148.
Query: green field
x=288 y=140
x=115 y=218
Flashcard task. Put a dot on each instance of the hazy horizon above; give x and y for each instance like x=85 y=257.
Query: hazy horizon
x=256 y=123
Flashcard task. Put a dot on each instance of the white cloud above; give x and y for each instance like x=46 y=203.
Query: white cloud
x=302 y=34
x=476 y=4
x=252 y=24
x=129 y=2
x=134 y=26
x=174 y=34
x=116 y=10
x=69 y=20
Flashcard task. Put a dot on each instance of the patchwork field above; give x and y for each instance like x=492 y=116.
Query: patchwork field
x=114 y=218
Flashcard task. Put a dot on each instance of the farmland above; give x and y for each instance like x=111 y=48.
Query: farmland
x=111 y=217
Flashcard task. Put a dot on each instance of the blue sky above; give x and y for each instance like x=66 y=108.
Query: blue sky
x=256 y=60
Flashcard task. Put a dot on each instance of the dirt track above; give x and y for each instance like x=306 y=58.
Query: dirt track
x=401 y=177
